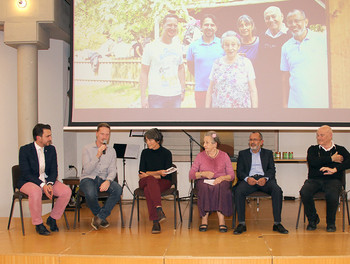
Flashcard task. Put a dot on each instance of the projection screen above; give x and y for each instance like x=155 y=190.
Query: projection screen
x=117 y=42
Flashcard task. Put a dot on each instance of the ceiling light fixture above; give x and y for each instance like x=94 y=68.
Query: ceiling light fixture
x=21 y=3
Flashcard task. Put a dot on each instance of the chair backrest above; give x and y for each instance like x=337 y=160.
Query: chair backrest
x=343 y=179
x=16 y=173
x=174 y=177
x=116 y=177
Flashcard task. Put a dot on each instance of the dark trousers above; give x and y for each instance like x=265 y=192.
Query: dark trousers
x=243 y=189
x=332 y=189
x=153 y=188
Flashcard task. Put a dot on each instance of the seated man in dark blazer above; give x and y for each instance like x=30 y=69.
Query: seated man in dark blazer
x=38 y=165
x=256 y=172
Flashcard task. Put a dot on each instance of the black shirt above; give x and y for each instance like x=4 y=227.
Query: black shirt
x=317 y=158
x=153 y=160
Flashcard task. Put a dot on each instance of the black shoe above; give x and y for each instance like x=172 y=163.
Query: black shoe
x=41 y=230
x=96 y=222
x=203 y=228
x=240 y=229
x=313 y=224
x=156 y=228
x=104 y=223
x=280 y=228
x=161 y=215
x=52 y=223
x=222 y=228
x=331 y=228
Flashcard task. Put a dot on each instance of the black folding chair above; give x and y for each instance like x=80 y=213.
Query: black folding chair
x=171 y=191
x=16 y=173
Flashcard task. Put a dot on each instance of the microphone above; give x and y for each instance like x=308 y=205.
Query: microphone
x=104 y=143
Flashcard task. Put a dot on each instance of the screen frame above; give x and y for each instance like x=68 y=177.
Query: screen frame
x=269 y=125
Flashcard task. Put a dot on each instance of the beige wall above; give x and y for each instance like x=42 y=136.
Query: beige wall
x=52 y=100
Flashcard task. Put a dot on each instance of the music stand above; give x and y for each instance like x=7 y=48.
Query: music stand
x=124 y=152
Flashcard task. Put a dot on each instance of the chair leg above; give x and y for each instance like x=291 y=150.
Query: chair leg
x=65 y=219
x=77 y=211
x=190 y=211
x=132 y=211
x=138 y=208
x=11 y=212
x=296 y=227
x=121 y=213
x=21 y=212
x=174 y=194
x=178 y=201
x=343 y=198
x=257 y=204
x=347 y=206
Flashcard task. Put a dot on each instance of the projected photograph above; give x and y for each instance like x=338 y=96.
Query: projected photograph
x=113 y=36
x=261 y=59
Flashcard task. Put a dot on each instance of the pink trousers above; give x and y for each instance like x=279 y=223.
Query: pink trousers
x=35 y=193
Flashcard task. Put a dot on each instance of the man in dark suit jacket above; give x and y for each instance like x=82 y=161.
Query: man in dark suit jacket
x=38 y=166
x=256 y=172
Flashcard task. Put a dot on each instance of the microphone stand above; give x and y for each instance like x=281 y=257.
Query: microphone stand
x=191 y=152
x=191 y=145
x=125 y=184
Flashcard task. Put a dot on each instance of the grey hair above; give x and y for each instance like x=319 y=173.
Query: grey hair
x=246 y=19
x=273 y=8
x=228 y=34
x=294 y=11
x=257 y=132
x=214 y=136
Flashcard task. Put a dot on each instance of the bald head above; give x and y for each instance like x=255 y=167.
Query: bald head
x=273 y=9
x=324 y=136
x=274 y=19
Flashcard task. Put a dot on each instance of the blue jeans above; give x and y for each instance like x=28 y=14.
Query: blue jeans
x=157 y=101
x=90 y=187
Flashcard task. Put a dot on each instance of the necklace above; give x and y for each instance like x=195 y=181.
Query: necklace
x=215 y=154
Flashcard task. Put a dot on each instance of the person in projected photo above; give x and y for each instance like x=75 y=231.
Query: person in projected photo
x=137 y=47
x=249 y=41
x=269 y=75
x=162 y=69
x=232 y=78
x=304 y=65
x=327 y=163
x=213 y=174
x=256 y=172
x=201 y=56
x=98 y=174
x=153 y=177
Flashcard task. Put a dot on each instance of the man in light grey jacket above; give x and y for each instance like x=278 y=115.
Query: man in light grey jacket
x=99 y=172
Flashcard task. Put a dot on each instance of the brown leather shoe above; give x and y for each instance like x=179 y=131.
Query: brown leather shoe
x=161 y=215
x=156 y=228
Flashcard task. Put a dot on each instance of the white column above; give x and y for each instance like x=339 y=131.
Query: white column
x=27 y=88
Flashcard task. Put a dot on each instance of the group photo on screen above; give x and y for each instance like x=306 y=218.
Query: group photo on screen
x=256 y=59
x=231 y=56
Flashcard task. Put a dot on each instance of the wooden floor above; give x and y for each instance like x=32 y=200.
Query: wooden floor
x=259 y=245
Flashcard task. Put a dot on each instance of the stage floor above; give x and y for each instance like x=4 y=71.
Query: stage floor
x=137 y=245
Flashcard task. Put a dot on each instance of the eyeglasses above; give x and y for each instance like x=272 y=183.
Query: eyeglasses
x=294 y=21
x=254 y=139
